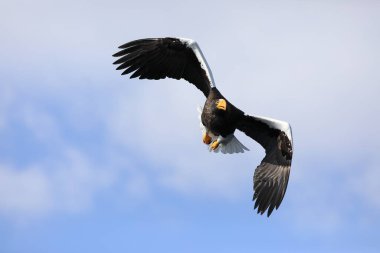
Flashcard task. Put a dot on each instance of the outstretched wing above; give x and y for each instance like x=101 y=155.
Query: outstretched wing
x=271 y=176
x=159 y=58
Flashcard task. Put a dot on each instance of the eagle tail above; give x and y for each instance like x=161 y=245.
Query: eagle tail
x=231 y=145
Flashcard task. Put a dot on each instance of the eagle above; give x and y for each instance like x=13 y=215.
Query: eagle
x=180 y=58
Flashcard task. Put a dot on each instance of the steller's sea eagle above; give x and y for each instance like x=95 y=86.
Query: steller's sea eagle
x=158 y=58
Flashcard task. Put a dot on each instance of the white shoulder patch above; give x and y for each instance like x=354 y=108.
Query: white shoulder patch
x=202 y=60
x=278 y=124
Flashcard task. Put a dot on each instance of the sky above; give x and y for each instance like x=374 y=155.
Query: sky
x=91 y=161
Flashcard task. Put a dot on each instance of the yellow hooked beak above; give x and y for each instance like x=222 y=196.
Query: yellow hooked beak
x=221 y=104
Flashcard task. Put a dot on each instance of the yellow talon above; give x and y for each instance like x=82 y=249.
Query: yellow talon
x=221 y=104
x=215 y=145
x=206 y=139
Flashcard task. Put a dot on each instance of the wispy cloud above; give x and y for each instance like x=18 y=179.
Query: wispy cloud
x=311 y=65
x=365 y=183
x=24 y=191
x=67 y=184
x=6 y=97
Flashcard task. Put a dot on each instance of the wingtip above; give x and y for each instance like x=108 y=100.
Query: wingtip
x=261 y=210
x=116 y=54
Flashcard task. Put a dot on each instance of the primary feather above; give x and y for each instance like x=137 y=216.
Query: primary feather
x=158 y=58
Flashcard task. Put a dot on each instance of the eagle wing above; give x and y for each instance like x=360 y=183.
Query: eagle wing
x=158 y=58
x=271 y=177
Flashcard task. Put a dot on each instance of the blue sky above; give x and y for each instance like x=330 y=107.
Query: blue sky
x=91 y=161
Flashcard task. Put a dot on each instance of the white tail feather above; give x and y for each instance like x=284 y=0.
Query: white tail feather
x=231 y=146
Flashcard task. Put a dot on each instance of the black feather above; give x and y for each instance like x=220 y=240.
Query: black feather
x=161 y=58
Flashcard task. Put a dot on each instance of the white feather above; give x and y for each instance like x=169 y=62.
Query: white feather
x=231 y=145
x=202 y=60
x=278 y=124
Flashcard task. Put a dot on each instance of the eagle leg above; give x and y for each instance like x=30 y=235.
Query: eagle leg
x=206 y=138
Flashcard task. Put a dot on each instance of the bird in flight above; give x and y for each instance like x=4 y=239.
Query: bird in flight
x=179 y=58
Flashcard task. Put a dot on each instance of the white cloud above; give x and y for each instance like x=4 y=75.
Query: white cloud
x=67 y=184
x=365 y=183
x=313 y=64
x=314 y=200
x=24 y=191
x=77 y=180
x=6 y=97
x=138 y=187
x=203 y=174
x=42 y=124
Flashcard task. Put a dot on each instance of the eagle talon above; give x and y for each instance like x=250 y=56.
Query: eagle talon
x=206 y=139
x=214 y=145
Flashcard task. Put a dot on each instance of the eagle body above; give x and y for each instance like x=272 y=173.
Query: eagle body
x=220 y=122
x=179 y=58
